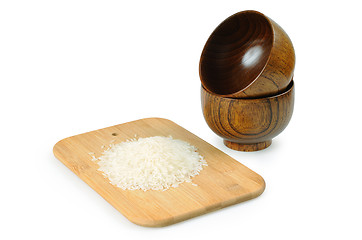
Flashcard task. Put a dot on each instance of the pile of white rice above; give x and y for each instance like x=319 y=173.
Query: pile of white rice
x=156 y=163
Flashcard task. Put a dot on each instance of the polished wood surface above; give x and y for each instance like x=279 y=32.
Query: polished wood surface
x=247 y=56
x=247 y=147
x=248 y=124
x=223 y=182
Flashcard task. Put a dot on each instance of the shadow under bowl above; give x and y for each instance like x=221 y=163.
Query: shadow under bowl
x=248 y=124
x=247 y=56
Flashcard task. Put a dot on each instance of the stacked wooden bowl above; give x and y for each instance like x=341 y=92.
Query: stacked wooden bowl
x=246 y=71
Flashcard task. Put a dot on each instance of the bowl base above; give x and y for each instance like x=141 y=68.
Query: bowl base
x=247 y=147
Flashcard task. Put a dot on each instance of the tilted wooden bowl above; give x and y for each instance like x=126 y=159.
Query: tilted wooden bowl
x=248 y=124
x=247 y=56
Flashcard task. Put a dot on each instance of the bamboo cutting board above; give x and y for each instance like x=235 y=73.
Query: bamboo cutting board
x=222 y=183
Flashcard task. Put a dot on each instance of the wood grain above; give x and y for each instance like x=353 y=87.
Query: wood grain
x=248 y=124
x=247 y=56
x=224 y=182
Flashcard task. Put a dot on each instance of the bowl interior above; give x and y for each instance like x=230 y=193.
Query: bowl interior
x=236 y=52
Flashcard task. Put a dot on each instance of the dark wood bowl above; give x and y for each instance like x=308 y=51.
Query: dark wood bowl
x=248 y=124
x=247 y=56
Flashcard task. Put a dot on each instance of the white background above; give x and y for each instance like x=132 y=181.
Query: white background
x=68 y=67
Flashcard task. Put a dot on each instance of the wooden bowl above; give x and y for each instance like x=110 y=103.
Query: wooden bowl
x=248 y=124
x=247 y=56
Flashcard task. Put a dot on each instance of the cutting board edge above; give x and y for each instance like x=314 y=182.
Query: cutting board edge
x=170 y=221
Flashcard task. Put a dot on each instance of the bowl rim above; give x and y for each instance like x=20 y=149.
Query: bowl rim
x=266 y=63
x=289 y=88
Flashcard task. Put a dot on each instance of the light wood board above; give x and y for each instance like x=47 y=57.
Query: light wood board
x=223 y=182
